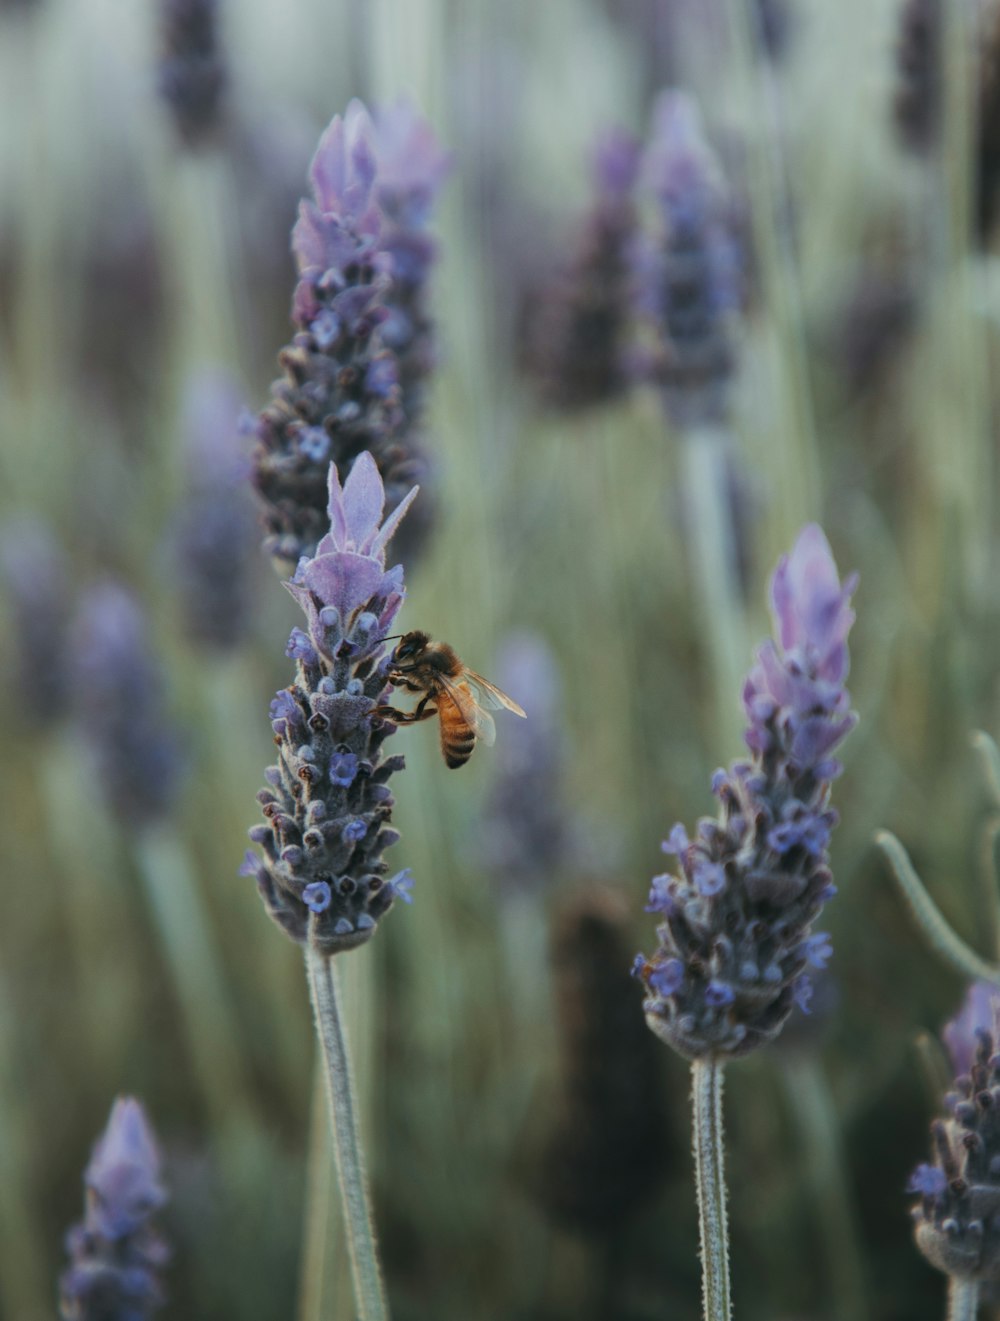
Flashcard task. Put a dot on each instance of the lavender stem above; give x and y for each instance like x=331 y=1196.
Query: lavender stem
x=706 y=1100
x=963 y=1300
x=342 y=1113
x=942 y=939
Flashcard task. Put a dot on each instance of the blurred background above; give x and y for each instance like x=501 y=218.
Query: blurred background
x=527 y=1136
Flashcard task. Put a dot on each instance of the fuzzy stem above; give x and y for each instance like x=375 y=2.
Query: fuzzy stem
x=342 y=1114
x=942 y=939
x=963 y=1300
x=706 y=1100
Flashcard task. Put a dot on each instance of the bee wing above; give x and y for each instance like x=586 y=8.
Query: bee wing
x=463 y=692
x=490 y=695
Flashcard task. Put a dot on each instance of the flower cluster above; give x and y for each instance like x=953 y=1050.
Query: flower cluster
x=120 y=699
x=115 y=1253
x=957 y=1219
x=736 y=940
x=328 y=804
x=35 y=581
x=689 y=279
x=192 y=74
x=354 y=370
x=585 y=315
x=215 y=535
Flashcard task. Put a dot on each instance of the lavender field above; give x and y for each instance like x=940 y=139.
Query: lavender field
x=683 y=317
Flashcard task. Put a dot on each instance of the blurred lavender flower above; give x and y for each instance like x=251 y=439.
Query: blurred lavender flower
x=607 y=1152
x=192 y=72
x=736 y=942
x=689 y=279
x=583 y=317
x=362 y=349
x=957 y=1228
x=328 y=803
x=988 y=135
x=526 y=836
x=36 y=585
x=115 y=1253
x=917 y=106
x=119 y=692
x=216 y=540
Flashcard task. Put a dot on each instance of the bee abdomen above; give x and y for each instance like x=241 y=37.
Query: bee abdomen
x=457 y=738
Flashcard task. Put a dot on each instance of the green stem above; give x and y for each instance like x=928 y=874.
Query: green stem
x=706 y=1100
x=963 y=1300
x=942 y=939
x=342 y=1114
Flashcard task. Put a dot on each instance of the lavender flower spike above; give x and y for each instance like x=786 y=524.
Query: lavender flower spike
x=192 y=73
x=328 y=803
x=955 y=1219
x=361 y=329
x=736 y=941
x=690 y=280
x=115 y=1253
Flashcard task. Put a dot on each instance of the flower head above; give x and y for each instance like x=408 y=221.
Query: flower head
x=956 y=1222
x=354 y=371
x=215 y=537
x=120 y=700
x=115 y=1253
x=35 y=579
x=192 y=74
x=736 y=941
x=689 y=279
x=327 y=805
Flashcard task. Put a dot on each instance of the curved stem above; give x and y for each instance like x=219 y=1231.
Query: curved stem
x=706 y=1100
x=942 y=939
x=963 y=1300
x=342 y=1109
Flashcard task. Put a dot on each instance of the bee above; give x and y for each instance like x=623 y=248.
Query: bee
x=457 y=695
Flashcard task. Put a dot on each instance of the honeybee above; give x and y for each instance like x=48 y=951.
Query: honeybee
x=457 y=695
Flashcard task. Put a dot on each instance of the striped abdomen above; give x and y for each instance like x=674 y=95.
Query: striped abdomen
x=457 y=736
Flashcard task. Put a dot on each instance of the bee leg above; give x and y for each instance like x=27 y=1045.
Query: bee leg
x=421 y=712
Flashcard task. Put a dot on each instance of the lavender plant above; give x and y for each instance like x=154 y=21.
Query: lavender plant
x=584 y=316
x=955 y=1219
x=192 y=72
x=35 y=581
x=328 y=804
x=736 y=940
x=362 y=348
x=116 y=1253
x=215 y=533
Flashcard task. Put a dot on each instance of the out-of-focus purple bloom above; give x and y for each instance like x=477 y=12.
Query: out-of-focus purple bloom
x=582 y=319
x=216 y=541
x=120 y=701
x=955 y=1219
x=355 y=369
x=526 y=837
x=192 y=73
x=36 y=587
x=688 y=279
x=115 y=1253
x=980 y=1012
x=920 y=48
x=743 y=939
x=327 y=806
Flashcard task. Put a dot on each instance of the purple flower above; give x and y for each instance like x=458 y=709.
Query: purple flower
x=215 y=533
x=980 y=1012
x=738 y=910
x=688 y=280
x=954 y=1219
x=192 y=74
x=35 y=579
x=579 y=337
x=355 y=370
x=115 y=1253
x=120 y=700
x=327 y=805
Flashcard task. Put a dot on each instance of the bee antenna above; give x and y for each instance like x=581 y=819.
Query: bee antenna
x=392 y=637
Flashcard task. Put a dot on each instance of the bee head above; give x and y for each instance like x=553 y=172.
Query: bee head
x=411 y=645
